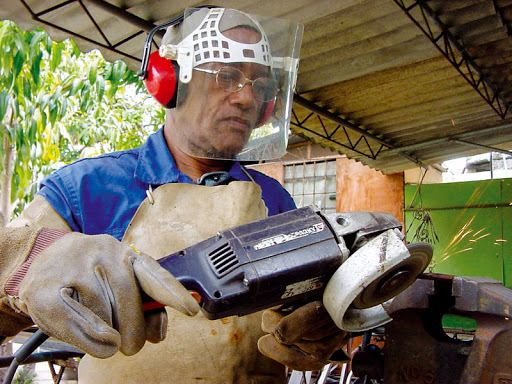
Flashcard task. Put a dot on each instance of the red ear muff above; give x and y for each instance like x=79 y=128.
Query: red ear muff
x=161 y=75
x=162 y=79
x=266 y=112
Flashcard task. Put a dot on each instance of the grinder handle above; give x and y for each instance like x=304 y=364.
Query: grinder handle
x=149 y=304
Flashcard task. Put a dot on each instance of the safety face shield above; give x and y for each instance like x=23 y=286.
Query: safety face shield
x=237 y=75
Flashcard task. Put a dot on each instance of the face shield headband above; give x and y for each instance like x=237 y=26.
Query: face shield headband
x=208 y=44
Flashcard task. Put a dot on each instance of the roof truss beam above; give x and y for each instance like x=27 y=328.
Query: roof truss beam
x=461 y=139
x=144 y=25
x=361 y=146
x=420 y=13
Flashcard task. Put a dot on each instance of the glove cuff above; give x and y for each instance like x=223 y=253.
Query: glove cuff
x=44 y=239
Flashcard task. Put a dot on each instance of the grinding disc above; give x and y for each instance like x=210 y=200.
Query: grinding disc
x=372 y=275
x=397 y=279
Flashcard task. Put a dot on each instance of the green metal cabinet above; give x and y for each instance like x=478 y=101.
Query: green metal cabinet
x=473 y=224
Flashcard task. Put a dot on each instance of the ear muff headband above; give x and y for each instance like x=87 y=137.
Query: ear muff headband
x=143 y=71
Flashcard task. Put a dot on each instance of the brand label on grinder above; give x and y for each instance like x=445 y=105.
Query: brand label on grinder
x=303 y=286
x=284 y=237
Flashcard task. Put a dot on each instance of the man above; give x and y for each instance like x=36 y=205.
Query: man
x=182 y=186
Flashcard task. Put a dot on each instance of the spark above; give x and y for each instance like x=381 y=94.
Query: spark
x=478 y=232
x=481 y=237
x=459 y=240
x=465 y=238
x=447 y=255
x=463 y=232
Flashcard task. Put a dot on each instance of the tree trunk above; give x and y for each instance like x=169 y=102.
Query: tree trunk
x=5 y=208
x=6 y=179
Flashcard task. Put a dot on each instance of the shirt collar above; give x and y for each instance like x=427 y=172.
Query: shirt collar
x=238 y=173
x=156 y=165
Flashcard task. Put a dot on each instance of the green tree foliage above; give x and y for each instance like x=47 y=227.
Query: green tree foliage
x=58 y=104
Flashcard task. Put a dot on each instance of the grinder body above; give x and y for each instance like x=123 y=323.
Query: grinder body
x=285 y=258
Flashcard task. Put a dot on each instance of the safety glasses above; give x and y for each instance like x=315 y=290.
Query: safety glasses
x=233 y=80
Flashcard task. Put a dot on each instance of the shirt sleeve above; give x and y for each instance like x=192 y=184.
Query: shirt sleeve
x=276 y=198
x=288 y=202
x=60 y=197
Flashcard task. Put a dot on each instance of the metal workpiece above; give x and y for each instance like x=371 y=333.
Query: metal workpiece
x=482 y=295
x=419 y=349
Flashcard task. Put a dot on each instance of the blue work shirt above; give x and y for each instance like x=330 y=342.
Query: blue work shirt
x=100 y=195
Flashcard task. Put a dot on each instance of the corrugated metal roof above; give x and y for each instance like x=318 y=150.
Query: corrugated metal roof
x=393 y=83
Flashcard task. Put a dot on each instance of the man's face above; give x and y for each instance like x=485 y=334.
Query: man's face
x=214 y=123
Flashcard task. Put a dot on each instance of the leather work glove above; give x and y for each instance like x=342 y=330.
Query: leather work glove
x=303 y=340
x=86 y=291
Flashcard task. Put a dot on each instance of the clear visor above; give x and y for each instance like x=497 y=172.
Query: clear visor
x=237 y=78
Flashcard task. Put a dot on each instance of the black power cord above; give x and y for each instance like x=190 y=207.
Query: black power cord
x=23 y=353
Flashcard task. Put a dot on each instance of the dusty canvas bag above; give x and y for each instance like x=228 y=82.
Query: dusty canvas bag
x=196 y=350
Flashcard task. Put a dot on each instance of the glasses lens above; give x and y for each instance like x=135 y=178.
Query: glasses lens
x=233 y=80
x=230 y=79
x=264 y=88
